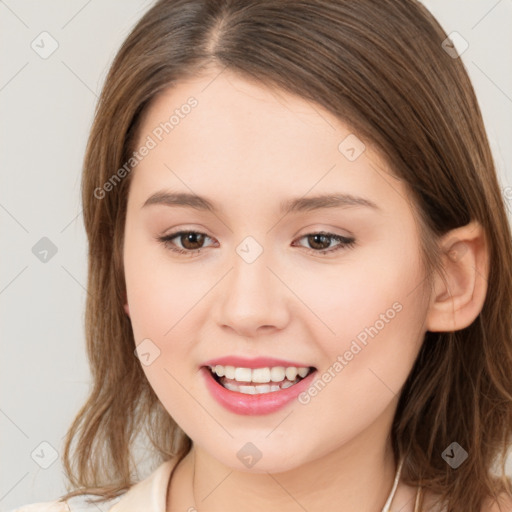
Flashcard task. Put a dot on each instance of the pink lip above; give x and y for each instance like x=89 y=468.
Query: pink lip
x=258 y=362
x=253 y=405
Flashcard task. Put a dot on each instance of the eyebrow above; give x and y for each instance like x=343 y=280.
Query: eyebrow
x=299 y=204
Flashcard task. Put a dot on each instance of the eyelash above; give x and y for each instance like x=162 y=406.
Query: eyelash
x=345 y=242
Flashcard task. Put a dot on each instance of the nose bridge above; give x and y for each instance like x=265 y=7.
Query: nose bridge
x=250 y=282
x=252 y=296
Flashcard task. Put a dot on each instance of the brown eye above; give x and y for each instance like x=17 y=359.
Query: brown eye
x=320 y=242
x=191 y=241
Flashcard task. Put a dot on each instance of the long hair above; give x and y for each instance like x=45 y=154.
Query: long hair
x=380 y=67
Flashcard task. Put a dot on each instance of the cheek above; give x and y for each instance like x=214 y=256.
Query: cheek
x=375 y=306
x=367 y=287
x=159 y=292
x=378 y=336
x=160 y=296
x=377 y=310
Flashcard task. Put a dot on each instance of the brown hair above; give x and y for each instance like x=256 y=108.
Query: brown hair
x=379 y=67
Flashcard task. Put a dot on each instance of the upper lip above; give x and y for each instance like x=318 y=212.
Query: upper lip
x=258 y=362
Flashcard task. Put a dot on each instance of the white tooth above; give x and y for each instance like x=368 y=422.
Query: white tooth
x=231 y=387
x=255 y=390
x=229 y=372
x=248 y=390
x=291 y=373
x=277 y=373
x=303 y=371
x=261 y=375
x=243 y=374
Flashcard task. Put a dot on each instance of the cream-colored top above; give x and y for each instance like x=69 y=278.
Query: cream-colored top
x=148 y=495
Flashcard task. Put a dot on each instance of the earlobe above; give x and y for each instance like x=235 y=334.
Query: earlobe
x=457 y=300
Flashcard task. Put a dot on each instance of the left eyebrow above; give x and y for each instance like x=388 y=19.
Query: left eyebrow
x=292 y=205
x=318 y=202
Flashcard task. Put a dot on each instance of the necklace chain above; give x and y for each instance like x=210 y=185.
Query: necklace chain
x=386 y=507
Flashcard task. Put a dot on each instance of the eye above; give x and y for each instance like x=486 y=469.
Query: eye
x=192 y=241
x=189 y=240
x=322 y=240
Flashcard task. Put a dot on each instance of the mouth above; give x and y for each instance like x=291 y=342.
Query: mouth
x=258 y=381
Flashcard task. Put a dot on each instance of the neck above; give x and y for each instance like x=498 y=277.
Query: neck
x=357 y=476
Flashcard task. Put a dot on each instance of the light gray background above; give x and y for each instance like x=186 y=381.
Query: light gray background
x=46 y=108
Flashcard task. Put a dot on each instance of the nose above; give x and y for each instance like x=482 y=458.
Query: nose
x=253 y=300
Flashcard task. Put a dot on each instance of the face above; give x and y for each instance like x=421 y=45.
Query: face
x=251 y=282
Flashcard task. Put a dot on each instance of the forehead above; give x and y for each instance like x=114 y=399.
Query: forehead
x=219 y=132
x=230 y=91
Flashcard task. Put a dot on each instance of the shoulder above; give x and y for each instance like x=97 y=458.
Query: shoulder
x=78 y=503
x=502 y=504
x=47 y=506
x=153 y=487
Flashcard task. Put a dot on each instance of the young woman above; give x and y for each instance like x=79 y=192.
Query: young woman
x=300 y=280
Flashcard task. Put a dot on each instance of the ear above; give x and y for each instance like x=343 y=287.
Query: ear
x=458 y=299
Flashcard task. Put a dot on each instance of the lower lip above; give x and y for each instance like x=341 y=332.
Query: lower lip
x=253 y=405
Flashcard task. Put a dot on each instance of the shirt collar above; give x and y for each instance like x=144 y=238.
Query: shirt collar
x=149 y=494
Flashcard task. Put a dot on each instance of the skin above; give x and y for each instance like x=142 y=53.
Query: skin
x=248 y=147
